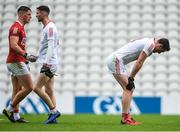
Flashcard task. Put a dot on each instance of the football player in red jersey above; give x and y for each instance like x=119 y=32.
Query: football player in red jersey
x=17 y=64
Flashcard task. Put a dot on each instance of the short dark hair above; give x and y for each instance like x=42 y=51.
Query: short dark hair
x=23 y=8
x=44 y=8
x=165 y=43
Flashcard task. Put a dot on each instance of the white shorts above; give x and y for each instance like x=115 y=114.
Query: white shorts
x=116 y=65
x=17 y=69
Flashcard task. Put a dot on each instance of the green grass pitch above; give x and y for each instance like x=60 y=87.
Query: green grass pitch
x=90 y=122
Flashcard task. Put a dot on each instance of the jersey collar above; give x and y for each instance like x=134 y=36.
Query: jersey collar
x=19 y=22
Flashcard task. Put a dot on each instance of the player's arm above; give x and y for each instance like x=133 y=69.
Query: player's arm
x=138 y=64
x=46 y=66
x=49 y=50
x=14 y=45
x=51 y=44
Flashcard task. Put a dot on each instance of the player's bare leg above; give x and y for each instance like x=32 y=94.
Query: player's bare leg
x=26 y=82
x=16 y=89
x=126 y=100
x=127 y=96
x=49 y=86
x=49 y=90
x=41 y=81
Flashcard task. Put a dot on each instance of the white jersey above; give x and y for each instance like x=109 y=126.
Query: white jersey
x=131 y=51
x=49 y=32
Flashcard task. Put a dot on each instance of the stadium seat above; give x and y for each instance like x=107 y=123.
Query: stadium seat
x=83 y=42
x=160 y=17
x=83 y=34
x=9 y=8
x=108 y=86
x=3 y=87
x=173 y=60
x=160 y=8
x=68 y=69
x=68 y=86
x=96 y=34
x=161 y=77
x=81 y=77
x=148 y=77
x=96 y=25
x=147 y=8
x=109 y=17
x=161 y=86
x=122 y=17
x=9 y=16
x=110 y=8
x=84 y=8
x=82 y=60
x=147 y=93
x=161 y=69
x=147 y=86
x=94 y=77
x=82 y=68
x=70 y=42
x=135 y=8
x=96 y=42
x=134 y=34
x=94 y=86
x=122 y=7
x=173 y=69
x=174 y=86
x=71 y=16
x=81 y=88
x=174 y=77
x=161 y=93
x=135 y=17
x=70 y=34
x=172 y=25
x=70 y=59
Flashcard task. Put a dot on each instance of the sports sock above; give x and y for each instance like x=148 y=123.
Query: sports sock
x=53 y=110
x=16 y=116
x=10 y=108
x=125 y=116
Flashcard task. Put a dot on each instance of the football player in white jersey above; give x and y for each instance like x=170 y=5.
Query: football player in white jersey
x=137 y=50
x=48 y=59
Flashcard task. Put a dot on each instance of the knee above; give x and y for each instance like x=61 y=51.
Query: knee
x=29 y=90
x=36 y=90
x=49 y=91
x=130 y=86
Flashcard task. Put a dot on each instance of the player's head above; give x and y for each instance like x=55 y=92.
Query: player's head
x=24 y=14
x=162 y=45
x=42 y=12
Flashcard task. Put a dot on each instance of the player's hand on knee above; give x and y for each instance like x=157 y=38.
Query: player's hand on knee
x=29 y=57
x=130 y=86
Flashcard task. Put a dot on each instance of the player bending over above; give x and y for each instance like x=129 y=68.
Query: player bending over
x=137 y=50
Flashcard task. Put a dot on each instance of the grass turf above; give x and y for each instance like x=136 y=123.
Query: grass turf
x=90 y=122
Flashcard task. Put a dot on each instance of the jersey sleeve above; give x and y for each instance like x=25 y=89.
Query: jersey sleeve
x=14 y=31
x=50 y=33
x=148 y=48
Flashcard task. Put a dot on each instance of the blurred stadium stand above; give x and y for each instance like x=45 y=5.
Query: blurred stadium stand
x=89 y=30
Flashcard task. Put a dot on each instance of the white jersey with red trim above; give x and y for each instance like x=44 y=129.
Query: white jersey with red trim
x=49 y=32
x=130 y=52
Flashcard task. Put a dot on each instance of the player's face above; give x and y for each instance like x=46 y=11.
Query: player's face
x=160 y=49
x=27 y=17
x=39 y=15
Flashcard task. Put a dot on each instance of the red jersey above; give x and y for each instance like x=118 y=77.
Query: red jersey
x=17 y=29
